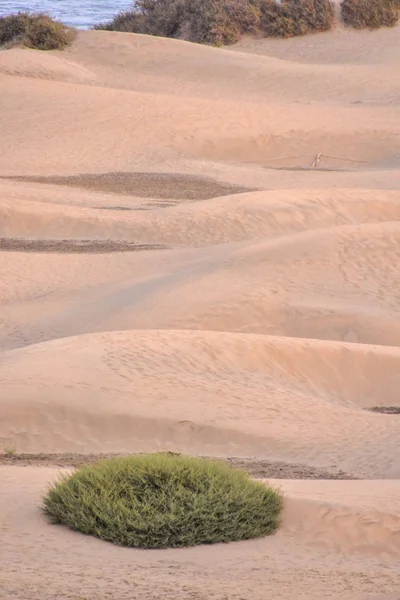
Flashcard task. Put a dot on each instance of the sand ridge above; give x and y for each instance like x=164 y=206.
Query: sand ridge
x=263 y=324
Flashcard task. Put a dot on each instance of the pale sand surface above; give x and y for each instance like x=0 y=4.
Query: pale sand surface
x=263 y=324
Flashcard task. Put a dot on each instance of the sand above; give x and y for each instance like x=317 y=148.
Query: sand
x=175 y=274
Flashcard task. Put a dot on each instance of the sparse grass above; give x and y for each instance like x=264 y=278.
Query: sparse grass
x=10 y=451
x=370 y=14
x=34 y=30
x=221 y=22
x=164 y=501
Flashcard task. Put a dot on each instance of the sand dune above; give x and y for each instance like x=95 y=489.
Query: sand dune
x=263 y=132
x=103 y=62
x=229 y=218
x=216 y=71
x=272 y=263
x=264 y=322
x=275 y=388
x=42 y=65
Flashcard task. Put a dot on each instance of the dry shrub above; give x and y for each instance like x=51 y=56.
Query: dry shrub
x=202 y=21
x=37 y=31
x=220 y=21
x=126 y=21
x=370 y=14
x=223 y=21
x=13 y=28
x=149 y=17
x=296 y=17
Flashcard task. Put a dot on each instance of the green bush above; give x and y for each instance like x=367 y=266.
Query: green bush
x=37 y=31
x=163 y=501
x=223 y=21
x=370 y=14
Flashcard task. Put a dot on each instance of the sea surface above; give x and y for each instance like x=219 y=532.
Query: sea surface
x=77 y=13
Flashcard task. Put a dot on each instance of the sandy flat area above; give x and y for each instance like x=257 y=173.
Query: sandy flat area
x=199 y=252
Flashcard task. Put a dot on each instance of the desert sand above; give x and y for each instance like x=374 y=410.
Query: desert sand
x=200 y=253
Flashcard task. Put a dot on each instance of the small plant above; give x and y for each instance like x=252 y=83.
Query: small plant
x=163 y=501
x=370 y=14
x=38 y=31
x=10 y=451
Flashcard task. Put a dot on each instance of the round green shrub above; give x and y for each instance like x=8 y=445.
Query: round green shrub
x=163 y=501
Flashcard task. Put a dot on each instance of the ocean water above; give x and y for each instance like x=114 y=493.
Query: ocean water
x=77 y=13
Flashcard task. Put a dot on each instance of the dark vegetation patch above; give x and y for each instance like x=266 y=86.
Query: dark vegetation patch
x=34 y=30
x=113 y=208
x=145 y=185
x=163 y=501
x=264 y=469
x=261 y=469
x=386 y=410
x=370 y=14
x=221 y=22
x=148 y=206
x=73 y=246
